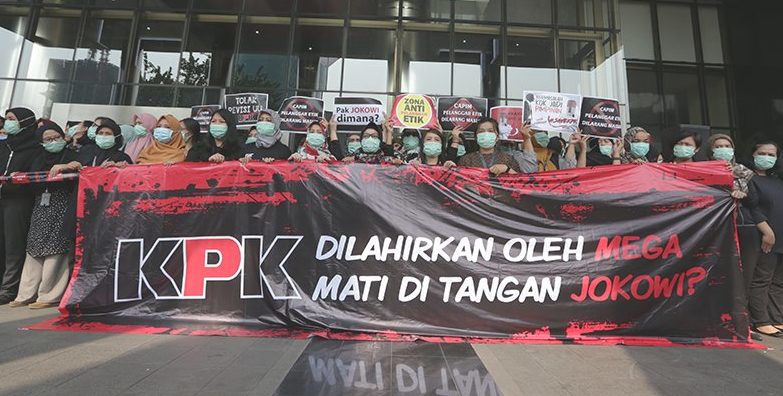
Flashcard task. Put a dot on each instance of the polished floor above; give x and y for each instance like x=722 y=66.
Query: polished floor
x=68 y=363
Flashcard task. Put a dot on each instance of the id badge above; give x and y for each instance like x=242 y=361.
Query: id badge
x=45 y=198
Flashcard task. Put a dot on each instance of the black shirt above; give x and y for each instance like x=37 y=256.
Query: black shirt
x=278 y=151
x=770 y=206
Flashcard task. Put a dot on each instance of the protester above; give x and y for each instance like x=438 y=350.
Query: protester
x=106 y=150
x=686 y=145
x=374 y=150
x=167 y=146
x=252 y=135
x=410 y=148
x=638 y=147
x=224 y=142
x=76 y=136
x=456 y=149
x=17 y=154
x=51 y=237
x=93 y=129
x=432 y=152
x=143 y=124
x=721 y=147
x=766 y=291
x=190 y=130
x=128 y=133
x=549 y=149
x=604 y=151
x=267 y=147
x=315 y=148
x=488 y=156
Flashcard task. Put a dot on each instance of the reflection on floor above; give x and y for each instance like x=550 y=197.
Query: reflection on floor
x=387 y=368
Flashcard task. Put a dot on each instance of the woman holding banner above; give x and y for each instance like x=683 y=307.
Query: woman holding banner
x=432 y=150
x=686 y=145
x=224 y=142
x=107 y=148
x=190 y=130
x=315 y=147
x=374 y=150
x=76 y=136
x=51 y=235
x=410 y=149
x=17 y=154
x=143 y=125
x=766 y=289
x=167 y=146
x=638 y=147
x=267 y=147
x=604 y=152
x=488 y=156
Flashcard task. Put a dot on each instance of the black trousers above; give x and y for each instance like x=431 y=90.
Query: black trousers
x=750 y=250
x=766 y=291
x=15 y=219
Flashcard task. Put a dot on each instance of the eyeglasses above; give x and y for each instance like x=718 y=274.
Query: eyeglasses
x=52 y=139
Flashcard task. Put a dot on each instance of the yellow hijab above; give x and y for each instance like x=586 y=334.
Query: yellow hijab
x=171 y=152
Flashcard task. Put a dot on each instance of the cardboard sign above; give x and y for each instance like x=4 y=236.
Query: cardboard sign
x=457 y=111
x=203 y=114
x=414 y=111
x=553 y=112
x=510 y=121
x=353 y=114
x=246 y=106
x=297 y=112
x=601 y=118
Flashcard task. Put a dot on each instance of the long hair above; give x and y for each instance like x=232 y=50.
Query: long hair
x=233 y=143
x=194 y=128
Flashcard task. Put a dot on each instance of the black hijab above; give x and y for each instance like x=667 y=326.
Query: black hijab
x=47 y=160
x=594 y=156
x=25 y=139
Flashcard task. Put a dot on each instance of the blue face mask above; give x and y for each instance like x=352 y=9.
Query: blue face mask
x=723 y=153
x=461 y=150
x=91 y=132
x=162 y=135
x=218 y=131
x=640 y=149
x=55 y=146
x=105 y=142
x=12 y=127
x=139 y=130
x=251 y=140
x=542 y=138
x=410 y=142
x=683 y=152
x=764 y=162
x=3 y=137
x=316 y=139
x=371 y=145
x=606 y=149
x=486 y=139
x=72 y=131
x=265 y=128
x=353 y=146
x=432 y=149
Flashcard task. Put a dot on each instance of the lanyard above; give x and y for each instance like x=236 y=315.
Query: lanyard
x=484 y=161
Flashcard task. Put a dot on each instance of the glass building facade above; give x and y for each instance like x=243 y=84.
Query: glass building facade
x=667 y=62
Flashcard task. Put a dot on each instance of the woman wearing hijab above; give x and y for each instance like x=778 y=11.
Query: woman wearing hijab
x=604 y=152
x=17 y=154
x=106 y=150
x=638 y=147
x=224 y=142
x=373 y=149
x=315 y=147
x=143 y=124
x=167 y=146
x=190 y=130
x=410 y=149
x=267 y=147
x=50 y=240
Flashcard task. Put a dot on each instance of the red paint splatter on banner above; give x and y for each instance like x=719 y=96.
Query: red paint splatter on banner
x=537 y=337
x=182 y=205
x=576 y=212
x=578 y=329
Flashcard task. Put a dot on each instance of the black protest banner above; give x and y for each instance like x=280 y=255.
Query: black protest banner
x=246 y=106
x=353 y=114
x=463 y=112
x=298 y=112
x=619 y=252
x=203 y=114
x=601 y=118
